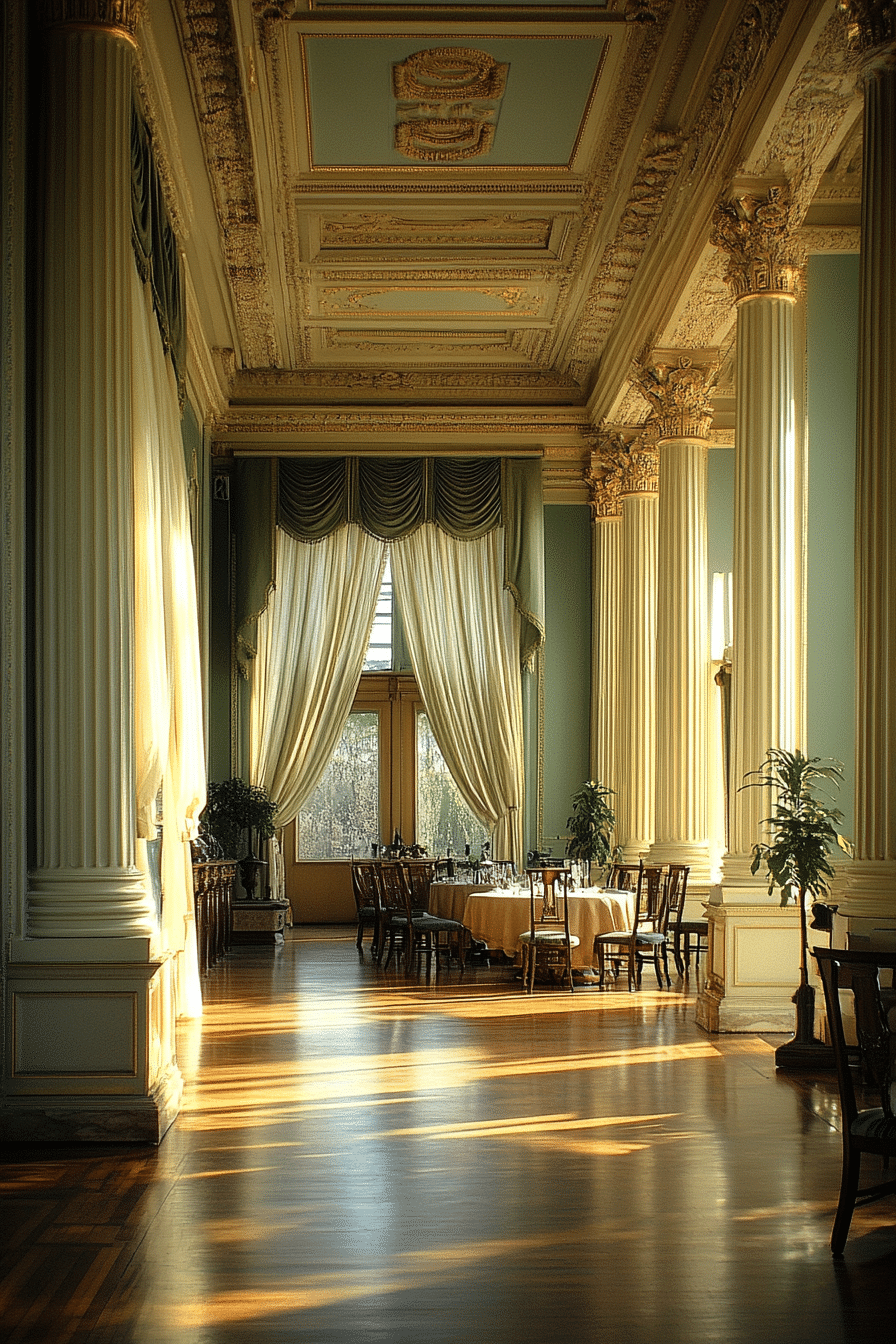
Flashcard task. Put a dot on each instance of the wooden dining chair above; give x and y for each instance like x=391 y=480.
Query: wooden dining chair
x=644 y=939
x=413 y=929
x=547 y=944
x=624 y=876
x=676 y=895
x=866 y=1072
x=367 y=903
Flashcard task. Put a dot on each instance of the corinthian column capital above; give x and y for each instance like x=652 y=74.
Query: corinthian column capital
x=641 y=463
x=603 y=475
x=119 y=16
x=871 y=25
x=758 y=234
x=679 y=393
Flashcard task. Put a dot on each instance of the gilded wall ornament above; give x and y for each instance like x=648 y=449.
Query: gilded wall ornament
x=756 y=232
x=679 y=395
x=448 y=100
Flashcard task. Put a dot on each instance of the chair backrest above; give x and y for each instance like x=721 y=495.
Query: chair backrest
x=676 y=892
x=860 y=972
x=365 y=884
x=625 y=876
x=548 y=898
x=419 y=874
x=654 y=875
x=394 y=892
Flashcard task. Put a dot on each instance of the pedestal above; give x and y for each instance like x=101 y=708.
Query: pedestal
x=258 y=921
x=752 y=968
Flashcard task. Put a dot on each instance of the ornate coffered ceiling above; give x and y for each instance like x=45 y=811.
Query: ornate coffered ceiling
x=465 y=225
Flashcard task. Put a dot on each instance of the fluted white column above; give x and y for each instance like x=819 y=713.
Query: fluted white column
x=682 y=658
x=768 y=648
x=603 y=478
x=85 y=882
x=636 y=755
x=870 y=889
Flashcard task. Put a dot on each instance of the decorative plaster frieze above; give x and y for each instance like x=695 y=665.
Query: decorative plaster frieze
x=821 y=239
x=262 y=384
x=340 y=301
x=680 y=397
x=820 y=110
x=387 y=421
x=758 y=235
x=371 y=229
x=209 y=45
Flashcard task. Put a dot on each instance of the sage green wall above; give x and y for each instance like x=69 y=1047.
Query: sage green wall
x=567 y=662
x=832 y=298
x=719 y=511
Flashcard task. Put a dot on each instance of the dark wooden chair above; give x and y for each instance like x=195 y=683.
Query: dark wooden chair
x=644 y=940
x=416 y=930
x=676 y=896
x=365 y=891
x=547 y=944
x=871 y=1064
x=624 y=876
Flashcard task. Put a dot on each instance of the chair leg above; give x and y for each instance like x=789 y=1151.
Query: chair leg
x=849 y=1186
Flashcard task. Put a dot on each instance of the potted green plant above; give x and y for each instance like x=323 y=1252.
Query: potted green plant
x=591 y=825
x=803 y=835
x=234 y=811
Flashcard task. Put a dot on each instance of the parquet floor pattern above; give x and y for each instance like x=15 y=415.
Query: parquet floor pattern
x=370 y=1158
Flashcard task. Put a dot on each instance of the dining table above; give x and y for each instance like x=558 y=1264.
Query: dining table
x=498 y=917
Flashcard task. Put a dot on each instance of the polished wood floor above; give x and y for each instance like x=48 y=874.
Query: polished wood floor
x=365 y=1158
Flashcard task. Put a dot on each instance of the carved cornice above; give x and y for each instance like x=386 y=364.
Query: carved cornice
x=119 y=16
x=267 y=385
x=822 y=239
x=757 y=233
x=680 y=397
x=567 y=425
x=209 y=45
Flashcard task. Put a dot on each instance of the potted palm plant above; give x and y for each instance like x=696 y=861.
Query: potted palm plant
x=591 y=825
x=236 y=810
x=803 y=835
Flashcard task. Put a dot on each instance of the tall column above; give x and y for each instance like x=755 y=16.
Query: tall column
x=91 y=1055
x=636 y=754
x=768 y=663
x=754 y=942
x=603 y=477
x=868 y=896
x=680 y=398
x=85 y=882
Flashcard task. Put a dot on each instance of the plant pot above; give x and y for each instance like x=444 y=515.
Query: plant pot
x=250 y=871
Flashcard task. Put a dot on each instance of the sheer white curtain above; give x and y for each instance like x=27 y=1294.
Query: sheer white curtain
x=311 y=646
x=168 y=692
x=463 y=637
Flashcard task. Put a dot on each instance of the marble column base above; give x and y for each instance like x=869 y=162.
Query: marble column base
x=752 y=968
x=91 y=1051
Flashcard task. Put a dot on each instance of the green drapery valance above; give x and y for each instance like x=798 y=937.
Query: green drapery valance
x=390 y=498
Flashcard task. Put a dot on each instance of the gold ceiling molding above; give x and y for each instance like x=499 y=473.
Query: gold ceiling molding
x=210 y=49
x=680 y=397
x=338 y=300
x=264 y=384
x=277 y=422
x=709 y=310
x=757 y=233
x=464 y=274
x=378 y=230
x=661 y=159
x=447 y=103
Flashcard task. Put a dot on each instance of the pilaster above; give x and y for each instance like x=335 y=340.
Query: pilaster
x=603 y=477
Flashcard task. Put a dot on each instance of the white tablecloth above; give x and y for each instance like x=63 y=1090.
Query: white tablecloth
x=499 y=917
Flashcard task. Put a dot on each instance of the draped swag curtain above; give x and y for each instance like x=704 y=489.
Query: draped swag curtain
x=467 y=544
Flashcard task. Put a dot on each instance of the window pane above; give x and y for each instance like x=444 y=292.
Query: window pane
x=379 y=647
x=342 y=816
x=443 y=819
